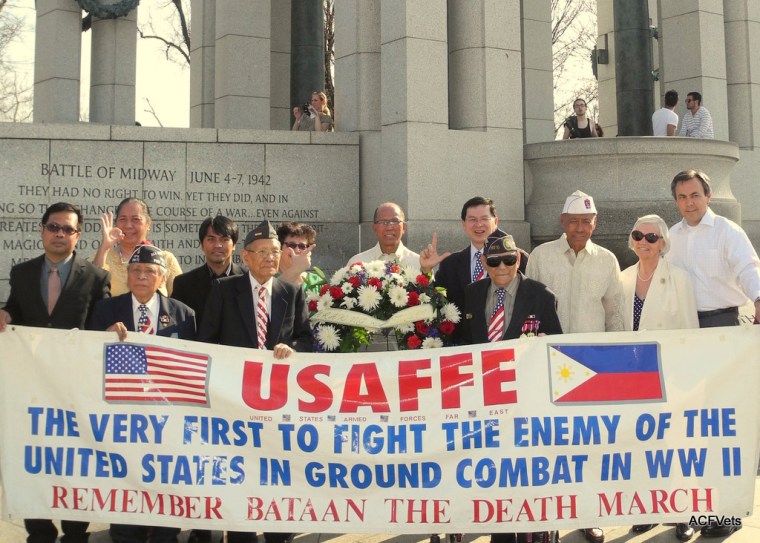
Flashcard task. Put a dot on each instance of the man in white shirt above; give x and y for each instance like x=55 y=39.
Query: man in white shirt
x=723 y=265
x=389 y=225
x=697 y=122
x=665 y=120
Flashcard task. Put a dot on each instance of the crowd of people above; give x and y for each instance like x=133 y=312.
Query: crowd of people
x=696 y=273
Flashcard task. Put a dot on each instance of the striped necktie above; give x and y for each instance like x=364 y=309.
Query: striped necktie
x=262 y=318
x=477 y=275
x=144 y=325
x=496 y=326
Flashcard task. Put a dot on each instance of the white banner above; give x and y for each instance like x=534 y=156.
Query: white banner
x=553 y=432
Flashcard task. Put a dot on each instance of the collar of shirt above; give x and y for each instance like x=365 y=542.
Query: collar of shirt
x=225 y=273
x=255 y=286
x=708 y=219
x=153 y=309
x=64 y=266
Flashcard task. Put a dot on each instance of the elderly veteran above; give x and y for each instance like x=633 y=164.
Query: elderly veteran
x=144 y=309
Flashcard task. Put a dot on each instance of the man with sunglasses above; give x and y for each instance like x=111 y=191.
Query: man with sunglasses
x=55 y=290
x=497 y=307
x=218 y=236
x=389 y=225
x=697 y=121
x=297 y=242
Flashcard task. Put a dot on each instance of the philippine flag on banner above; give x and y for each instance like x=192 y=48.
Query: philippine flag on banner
x=148 y=374
x=605 y=373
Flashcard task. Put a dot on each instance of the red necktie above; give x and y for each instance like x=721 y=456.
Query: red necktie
x=262 y=319
x=54 y=288
x=496 y=326
x=143 y=323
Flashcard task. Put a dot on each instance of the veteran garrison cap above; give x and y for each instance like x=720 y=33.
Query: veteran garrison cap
x=263 y=230
x=579 y=203
x=499 y=242
x=148 y=254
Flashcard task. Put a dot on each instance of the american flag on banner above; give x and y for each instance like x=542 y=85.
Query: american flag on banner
x=144 y=373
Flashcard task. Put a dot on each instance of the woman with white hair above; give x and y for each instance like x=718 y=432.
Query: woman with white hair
x=658 y=296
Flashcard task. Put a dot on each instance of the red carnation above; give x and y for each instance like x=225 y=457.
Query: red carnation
x=375 y=282
x=323 y=289
x=336 y=293
x=423 y=280
x=414 y=299
x=422 y=328
x=395 y=268
x=355 y=281
x=413 y=342
x=446 y=327
x=312 y=305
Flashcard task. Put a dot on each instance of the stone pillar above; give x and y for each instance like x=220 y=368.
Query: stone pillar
x=242 y=64
x=280 y=84
x=633 y=64
x=57 y=61
x=742 y=30
x=307 y=65
x=202 y=57
x=113 y=69
x=692 y=38
x=537 y=71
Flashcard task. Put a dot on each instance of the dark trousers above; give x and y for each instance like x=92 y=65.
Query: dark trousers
x=44 y=531
x=131 y=533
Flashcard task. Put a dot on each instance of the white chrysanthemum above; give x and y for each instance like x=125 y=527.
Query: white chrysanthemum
x=347 y=288
x=432 y=343
x=325 y=301
x=376 y=268
x=424 y=298
x=398 y=296
x=451 y=313
x=356 y=268
x=411 y=273
x=338 y=277
x=348 y=303
x=312 y=295
x=328 y=337
x=398 y=279
x=369 y=298
x=405 y=328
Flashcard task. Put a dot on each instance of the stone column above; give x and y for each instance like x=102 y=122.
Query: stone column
x=113 y=69
x=202 y=57
x=243 y=64
x=537 y=70
x=694 y=56
x=280 y=84
x=307 y=65
x=742 y=30
x=57 y=61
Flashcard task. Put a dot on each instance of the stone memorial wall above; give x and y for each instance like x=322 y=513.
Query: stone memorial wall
x=185 y=175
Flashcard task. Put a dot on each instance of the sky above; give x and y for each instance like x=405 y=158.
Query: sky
x=164 y=83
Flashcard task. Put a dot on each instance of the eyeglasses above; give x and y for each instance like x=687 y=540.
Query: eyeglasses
x=507 y=260
x=263 y=253
x=293 y=245
x=392 y=222
x=54 y=228
x=638 y=236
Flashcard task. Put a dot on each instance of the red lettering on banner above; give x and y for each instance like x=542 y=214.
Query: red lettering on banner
x=59 y=497
x=375 y=397
x=656 y=501
x=494 y=377
x=298 y=509
x=410 y=383
x=500 y=511
x=418 y=511
x=452 y=379
x=307 y=380
x=252 y=386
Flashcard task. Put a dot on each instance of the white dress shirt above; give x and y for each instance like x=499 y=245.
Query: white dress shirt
x=723 y=265
x=587 y=285
x=402 y=256
x=255 y=286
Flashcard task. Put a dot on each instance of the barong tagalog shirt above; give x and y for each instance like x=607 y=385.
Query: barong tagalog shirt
x=402 y=256
x=587 y=285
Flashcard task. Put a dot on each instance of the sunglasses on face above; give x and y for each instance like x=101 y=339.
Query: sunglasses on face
x=54 y=228
x=507 y=260
x=293 y=245
x=638 y=236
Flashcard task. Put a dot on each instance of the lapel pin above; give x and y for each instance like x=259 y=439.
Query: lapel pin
x=164 y=319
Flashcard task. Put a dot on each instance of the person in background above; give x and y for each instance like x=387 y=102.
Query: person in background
x=579 y=125
x=317 y=111
x=297 y=242
x=665 y=120
x=697 y=121
x=389 y=225
x=120 y=240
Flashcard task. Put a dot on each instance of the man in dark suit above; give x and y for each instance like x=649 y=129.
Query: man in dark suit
x=218 y=236
x=144 y=310
x=498 y=306
x=55 y=290
x=459 y=269
x=258 y=311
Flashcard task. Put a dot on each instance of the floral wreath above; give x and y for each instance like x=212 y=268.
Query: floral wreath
x=108 y=11
x=364 y=298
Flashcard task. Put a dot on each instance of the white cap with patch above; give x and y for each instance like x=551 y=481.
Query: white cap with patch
x=579 y=203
